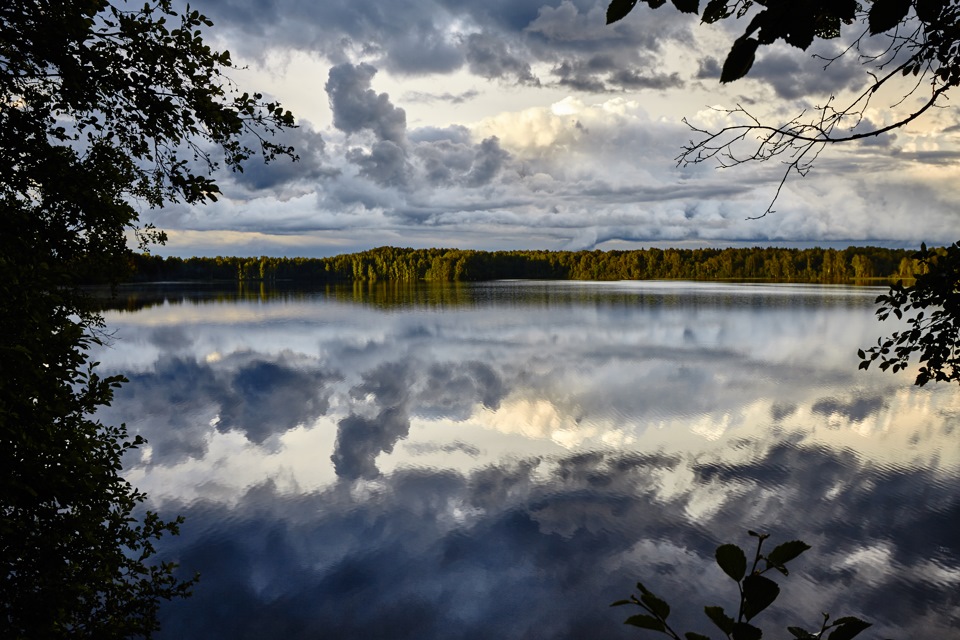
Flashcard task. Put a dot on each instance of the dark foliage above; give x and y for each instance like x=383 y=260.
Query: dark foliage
x=931 y=307
x=105 y=107
x=756 y=593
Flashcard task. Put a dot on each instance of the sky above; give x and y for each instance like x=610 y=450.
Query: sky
x=526 y=124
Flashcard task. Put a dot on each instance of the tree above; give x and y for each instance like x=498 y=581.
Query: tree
x=920 y=40
x=104 y=108
x=932 y=308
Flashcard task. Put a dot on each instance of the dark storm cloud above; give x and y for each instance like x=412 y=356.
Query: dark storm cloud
x=270 y=397
x=631 y=80
x=601 y=73
x=541 y=547
x=709 y=68
x=360 y=440
x=408 y=36
x=356 y=107
x=310 y=165
x=796 y=77
x=446 y=157
x=429 y=98
x=501 y=40
x=488 y=57
x=486 y=164
x=257 y=395
x=385 y=163
x=444 y=160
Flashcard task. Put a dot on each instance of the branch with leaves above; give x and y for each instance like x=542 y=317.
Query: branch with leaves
x=921 y=38
x=757 y=592
x=931 y=307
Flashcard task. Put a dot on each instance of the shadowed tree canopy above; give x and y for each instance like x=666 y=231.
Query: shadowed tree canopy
x=920 y=40
x=105 y=108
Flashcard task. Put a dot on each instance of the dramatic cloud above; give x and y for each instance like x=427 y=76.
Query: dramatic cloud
x=535 y=125
x=356 y=107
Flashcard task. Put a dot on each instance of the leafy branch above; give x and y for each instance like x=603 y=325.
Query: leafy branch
x=921 y=39
x=931 y=307
x=757 y=592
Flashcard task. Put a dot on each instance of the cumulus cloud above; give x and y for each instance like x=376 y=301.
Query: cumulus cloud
x=357 y=107
x=452 y=98
x=488 y=57
x=310 y=165
x=579 y=173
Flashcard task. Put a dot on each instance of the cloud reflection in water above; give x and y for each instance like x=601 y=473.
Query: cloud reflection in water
x=507 y=468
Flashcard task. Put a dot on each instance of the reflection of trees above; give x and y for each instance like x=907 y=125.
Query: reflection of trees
x=439 y=295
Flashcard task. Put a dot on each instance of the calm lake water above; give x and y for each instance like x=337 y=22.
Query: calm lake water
x=504 y=460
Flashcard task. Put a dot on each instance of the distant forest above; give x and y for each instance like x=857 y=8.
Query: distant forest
x=453 y=265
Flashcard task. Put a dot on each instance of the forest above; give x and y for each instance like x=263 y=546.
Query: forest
x=813 y=265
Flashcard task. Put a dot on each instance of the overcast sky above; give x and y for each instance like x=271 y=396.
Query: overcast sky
x=511 y=124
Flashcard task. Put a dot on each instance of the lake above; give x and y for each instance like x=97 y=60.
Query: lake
x=503 y=460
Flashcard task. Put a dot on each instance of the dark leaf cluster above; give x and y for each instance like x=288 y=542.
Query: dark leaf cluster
x=105 y=106
x=756 y=593
x=930 y=308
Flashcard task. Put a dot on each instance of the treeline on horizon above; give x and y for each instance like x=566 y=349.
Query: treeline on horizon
x=774 y=264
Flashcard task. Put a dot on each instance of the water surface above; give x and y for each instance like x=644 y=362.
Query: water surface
x=504 y=460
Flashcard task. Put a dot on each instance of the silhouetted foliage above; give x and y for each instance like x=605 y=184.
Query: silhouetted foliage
x=931 y=307
x=104 y=107
x=756 y=593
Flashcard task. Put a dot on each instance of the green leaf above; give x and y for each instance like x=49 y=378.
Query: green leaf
x=744 y=631
x=722 y=620
x=739 y=60
x=618 y=10
x=687 y=6
x=759 y=592
x=732 y=560
x=620 y=603
x=848 y=628
x=690 y=635
x=787 y=551
x=645 y=622
x=886 y=14
x=801 y=634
